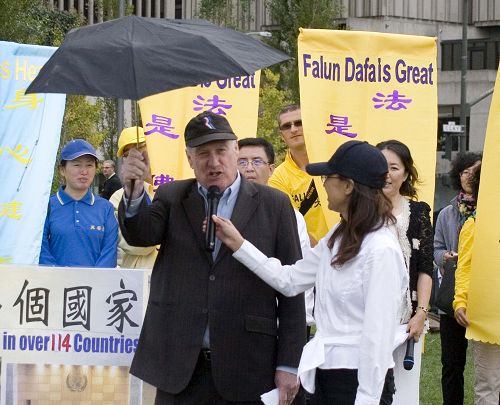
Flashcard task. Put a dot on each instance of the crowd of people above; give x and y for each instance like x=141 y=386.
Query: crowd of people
x=279 y=301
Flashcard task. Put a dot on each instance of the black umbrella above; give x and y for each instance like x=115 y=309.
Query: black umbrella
x=134 y=57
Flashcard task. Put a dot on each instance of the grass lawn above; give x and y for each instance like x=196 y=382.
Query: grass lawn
x=430 y=377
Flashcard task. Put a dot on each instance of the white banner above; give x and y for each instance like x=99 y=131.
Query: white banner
x=30 y=129
x=78 y=328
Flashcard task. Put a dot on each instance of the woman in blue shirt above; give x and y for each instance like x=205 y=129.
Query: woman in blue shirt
x=80 y=229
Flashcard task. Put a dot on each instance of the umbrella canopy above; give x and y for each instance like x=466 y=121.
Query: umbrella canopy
x=134 y=57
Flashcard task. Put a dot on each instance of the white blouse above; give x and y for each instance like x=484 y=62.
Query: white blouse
x=356 y=308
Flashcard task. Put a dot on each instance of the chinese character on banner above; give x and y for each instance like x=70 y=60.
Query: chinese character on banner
x=77 y=306
x=339 y=125
x=394 y=101
x=122 y=305
x=161 y=125
x=214 y=104
x=18 y=153
x=11 y=210
x=160 y=179
x=35 y=306
x=24 y=100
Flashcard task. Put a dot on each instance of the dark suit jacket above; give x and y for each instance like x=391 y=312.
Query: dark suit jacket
x=190 y=290
x=110 y=186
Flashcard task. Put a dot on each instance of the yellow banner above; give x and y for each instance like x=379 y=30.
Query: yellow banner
x=165 y=116
x=372 y=87
x=484 y=289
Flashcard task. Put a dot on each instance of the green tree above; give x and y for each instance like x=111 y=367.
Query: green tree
x=290 y=15
x=32 y=22
x=107 y=125
x=224 y=13
x=271 y=100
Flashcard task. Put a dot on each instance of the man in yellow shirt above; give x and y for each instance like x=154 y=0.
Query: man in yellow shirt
x=291 y=177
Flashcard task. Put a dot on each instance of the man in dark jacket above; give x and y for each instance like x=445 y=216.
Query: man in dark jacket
x=112 y=182
x=213 y=332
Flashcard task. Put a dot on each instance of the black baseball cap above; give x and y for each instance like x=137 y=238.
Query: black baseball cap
x=207 y=127
x=355 y=160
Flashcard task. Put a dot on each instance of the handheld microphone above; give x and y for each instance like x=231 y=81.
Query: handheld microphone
x=213 y=197
x=408 y=360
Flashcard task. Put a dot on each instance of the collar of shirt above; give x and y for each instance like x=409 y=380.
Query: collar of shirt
x=228 y=199
x=65 y=198
x=226 y=204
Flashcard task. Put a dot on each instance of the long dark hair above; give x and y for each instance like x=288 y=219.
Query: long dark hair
x=408 y=188
x=369 y=210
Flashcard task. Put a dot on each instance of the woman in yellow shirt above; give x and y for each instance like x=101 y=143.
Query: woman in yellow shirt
x=486 y=355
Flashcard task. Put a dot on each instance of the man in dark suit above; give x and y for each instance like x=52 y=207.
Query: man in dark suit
x=213 y=332
x=112 y=182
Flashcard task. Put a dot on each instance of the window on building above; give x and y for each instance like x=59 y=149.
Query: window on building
x=482 y=54
x=178 y=9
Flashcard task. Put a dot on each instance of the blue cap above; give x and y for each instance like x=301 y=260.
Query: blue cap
x=355 y=160
x=76 y=148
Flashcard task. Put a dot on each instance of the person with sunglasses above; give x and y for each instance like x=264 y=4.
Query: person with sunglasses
x=291 y=176
x=360 y=277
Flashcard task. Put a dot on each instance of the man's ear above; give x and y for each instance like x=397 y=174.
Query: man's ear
x=271 y=168
x=188 y=155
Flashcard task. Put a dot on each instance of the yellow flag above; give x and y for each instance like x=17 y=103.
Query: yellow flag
x=371 y=87
x=166 y=115
x=484 y=288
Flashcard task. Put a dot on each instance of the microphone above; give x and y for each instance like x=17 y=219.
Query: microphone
x=213 y=197
x=408 y=360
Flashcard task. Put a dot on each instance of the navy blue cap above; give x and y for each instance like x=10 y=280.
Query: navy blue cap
x=207 y=127
x=355 y=160
x=76 y=148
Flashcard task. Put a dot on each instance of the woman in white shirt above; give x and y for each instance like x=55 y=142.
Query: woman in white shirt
x=360 y=278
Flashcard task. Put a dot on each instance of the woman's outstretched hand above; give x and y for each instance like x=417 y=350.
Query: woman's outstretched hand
x=227 y=233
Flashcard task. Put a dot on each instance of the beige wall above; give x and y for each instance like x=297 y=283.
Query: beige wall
x=48 y=385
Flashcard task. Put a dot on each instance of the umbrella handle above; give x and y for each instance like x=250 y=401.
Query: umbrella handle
x=132 y=182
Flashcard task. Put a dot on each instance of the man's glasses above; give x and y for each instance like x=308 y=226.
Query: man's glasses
x=288 y=125
x=254 y=162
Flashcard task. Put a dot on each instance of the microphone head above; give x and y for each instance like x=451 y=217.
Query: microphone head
x=213 y=192
x=408 y=363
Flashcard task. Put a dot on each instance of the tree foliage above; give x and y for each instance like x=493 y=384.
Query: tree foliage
x=272 y=99
x=290 y=15
x=32 y=22
x=226 y=13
